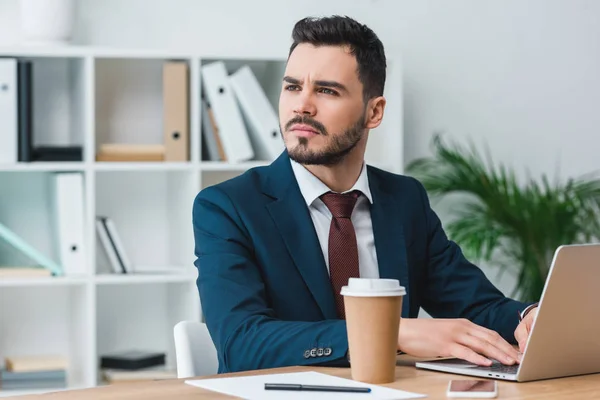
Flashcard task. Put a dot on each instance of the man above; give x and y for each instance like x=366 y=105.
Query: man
x=275 y=245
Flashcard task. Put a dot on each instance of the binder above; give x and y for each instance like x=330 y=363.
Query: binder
x=69 y=215
x=8 y=111
x=258 y=113
x=176 y=110
x=228 y=118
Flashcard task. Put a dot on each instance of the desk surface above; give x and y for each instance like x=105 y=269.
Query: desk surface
x=408 y=378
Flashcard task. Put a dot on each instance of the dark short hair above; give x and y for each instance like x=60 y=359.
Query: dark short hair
x=363 y=43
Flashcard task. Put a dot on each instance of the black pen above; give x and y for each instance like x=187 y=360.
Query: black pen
x=315 y=388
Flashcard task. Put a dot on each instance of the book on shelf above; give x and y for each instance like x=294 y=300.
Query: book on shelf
x=42 y=379
x=56 y=153
x=23 y=272
x=130 y=152
x=34 y=372
x=135 y=365
x=35 y=363
x=132 y=360
x=112 y=245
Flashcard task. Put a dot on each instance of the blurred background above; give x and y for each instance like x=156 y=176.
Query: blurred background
x=516 y=80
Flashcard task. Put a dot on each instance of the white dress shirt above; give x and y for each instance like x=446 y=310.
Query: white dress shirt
x=311 y=188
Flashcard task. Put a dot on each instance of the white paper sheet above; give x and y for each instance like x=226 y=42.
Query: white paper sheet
x=253 y=387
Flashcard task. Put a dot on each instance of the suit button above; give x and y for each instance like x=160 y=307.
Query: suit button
x=327 y=351
x=307 y=354
x=313 y=353
x=320 y=352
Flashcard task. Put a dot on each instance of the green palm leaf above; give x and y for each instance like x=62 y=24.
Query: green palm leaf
x=512 y=226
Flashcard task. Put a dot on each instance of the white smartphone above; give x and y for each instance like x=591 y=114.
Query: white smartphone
x=472 y=388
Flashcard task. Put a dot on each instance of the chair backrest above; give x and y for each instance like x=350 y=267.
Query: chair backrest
x=194 y=349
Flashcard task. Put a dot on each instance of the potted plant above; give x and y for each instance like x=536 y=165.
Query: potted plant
x=503 y=223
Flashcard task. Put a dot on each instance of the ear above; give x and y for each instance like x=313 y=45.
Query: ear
x=375 y=109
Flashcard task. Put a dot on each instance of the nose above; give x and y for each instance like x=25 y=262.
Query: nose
x=305 y=105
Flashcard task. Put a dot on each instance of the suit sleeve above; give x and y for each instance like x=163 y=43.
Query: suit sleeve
x=455 y=288
x=245 y=330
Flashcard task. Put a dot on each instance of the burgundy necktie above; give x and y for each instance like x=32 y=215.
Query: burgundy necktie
x=343 y=250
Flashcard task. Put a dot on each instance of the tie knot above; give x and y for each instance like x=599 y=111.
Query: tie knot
x=340 y=205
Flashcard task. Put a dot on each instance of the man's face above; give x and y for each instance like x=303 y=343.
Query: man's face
x=321 y=110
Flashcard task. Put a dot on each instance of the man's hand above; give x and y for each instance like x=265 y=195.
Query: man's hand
x=524 y=328
x=454 y=338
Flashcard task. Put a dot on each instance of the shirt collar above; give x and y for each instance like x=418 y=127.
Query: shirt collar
x=312 y=187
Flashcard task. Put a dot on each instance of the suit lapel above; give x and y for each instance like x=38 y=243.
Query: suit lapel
x=389 y=235
x=292 y=218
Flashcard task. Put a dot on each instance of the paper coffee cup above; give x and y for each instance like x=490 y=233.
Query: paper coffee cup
x=373 y=308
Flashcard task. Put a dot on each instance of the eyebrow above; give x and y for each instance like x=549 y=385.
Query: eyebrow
x=329 y=84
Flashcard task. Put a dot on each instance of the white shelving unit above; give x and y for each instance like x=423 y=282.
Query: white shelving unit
x=89 y=96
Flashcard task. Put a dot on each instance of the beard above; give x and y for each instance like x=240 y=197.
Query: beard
x=335 y=151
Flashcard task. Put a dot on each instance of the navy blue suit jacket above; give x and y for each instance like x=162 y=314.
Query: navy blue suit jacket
x=263 y=282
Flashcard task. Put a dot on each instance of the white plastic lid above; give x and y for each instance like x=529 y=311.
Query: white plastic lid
x=363 y=287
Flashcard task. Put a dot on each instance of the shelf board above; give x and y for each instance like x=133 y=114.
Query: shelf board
x=77 y=51
x=43 y=281
x=142 y=278
x=43 y=166
x=225 y=166
x=142 y=166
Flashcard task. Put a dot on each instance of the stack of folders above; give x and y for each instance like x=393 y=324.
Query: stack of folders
x=176 y=121
x=238 y=121
x=112 y=245
x=135 y=365
x=34 y=372
x=16 y=118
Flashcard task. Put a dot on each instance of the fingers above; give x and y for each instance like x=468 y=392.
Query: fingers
x=521 y=334
x=467 y=354
x=482 y=346
x=496 y=341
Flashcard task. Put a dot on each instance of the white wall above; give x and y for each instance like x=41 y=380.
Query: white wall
x=521 y=76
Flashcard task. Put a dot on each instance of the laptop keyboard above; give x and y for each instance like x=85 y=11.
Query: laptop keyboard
x=499 y=367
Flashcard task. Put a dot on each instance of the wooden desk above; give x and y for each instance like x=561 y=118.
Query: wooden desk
x=408 y=378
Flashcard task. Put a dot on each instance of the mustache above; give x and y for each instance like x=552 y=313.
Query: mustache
x=300 y=119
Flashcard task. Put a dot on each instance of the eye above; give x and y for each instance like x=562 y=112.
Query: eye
x=328 y=91
x=291 y=87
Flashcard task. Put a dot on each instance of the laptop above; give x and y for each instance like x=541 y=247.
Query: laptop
x=565 y=337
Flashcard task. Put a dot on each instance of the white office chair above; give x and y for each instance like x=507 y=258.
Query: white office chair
x=194 y=350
